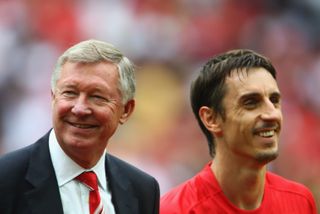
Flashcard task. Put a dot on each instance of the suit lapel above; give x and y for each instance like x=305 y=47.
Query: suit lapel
x=123 y=197
x=45 y=196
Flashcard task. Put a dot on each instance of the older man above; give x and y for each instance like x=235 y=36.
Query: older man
x=68 y=170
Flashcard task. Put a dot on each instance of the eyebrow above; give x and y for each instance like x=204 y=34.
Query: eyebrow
x=67 y=84
x=278 y=94
x=74 y=85
x=256 y=94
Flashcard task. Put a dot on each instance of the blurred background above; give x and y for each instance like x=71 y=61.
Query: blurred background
x=168 y=41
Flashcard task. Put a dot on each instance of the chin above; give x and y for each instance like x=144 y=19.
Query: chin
x=77 y=141
x=267 y=156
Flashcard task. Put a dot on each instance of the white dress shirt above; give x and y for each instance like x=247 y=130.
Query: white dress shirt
x=74 y=194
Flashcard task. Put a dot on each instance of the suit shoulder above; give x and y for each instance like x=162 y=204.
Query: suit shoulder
x=20 y=158
x=15 y=159
x=127 y=168
x=13 y=167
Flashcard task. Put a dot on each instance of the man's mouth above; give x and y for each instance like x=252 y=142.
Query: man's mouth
x=267 y=130
x=82 y=126
x=268 y=133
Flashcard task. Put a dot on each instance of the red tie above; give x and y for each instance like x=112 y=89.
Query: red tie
x=90 y=180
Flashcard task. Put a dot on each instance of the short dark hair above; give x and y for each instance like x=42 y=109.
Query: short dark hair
x=208 y=89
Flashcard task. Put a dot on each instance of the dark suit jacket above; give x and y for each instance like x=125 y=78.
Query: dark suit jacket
x=28 y=184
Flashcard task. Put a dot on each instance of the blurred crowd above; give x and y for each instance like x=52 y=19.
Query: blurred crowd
x=168 y=41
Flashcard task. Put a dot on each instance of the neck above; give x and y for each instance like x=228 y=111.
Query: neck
x=86 y=163
x=84 y=157
x=243 y=184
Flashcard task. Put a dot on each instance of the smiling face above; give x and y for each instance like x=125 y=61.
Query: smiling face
x=253 y=117
x=87 y=108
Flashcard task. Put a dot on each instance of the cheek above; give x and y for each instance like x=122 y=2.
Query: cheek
x=60 y=108
x=109 y=122
x=109 y=119
x=106 y=118
x=281 y=117
x=238 y=125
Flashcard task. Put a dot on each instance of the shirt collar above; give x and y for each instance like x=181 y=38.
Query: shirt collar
x=66 y=169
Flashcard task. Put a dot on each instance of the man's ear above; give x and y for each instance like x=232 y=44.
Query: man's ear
x=52 y=94
x=52 y=98
x=211 y=120
x=128 y=109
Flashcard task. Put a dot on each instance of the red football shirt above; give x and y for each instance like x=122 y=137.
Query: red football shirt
x=203 y=195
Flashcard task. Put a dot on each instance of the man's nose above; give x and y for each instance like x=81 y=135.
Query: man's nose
x=81 y=107
x=271 y=111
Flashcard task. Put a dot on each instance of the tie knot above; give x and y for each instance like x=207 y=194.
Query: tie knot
x=90 y=179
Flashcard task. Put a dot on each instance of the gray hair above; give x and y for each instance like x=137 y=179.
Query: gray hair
x=92 y=51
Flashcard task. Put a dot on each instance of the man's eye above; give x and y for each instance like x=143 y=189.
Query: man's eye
x=99 y=98
x=250 y=103
x=69 y=93
x=275 y=100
